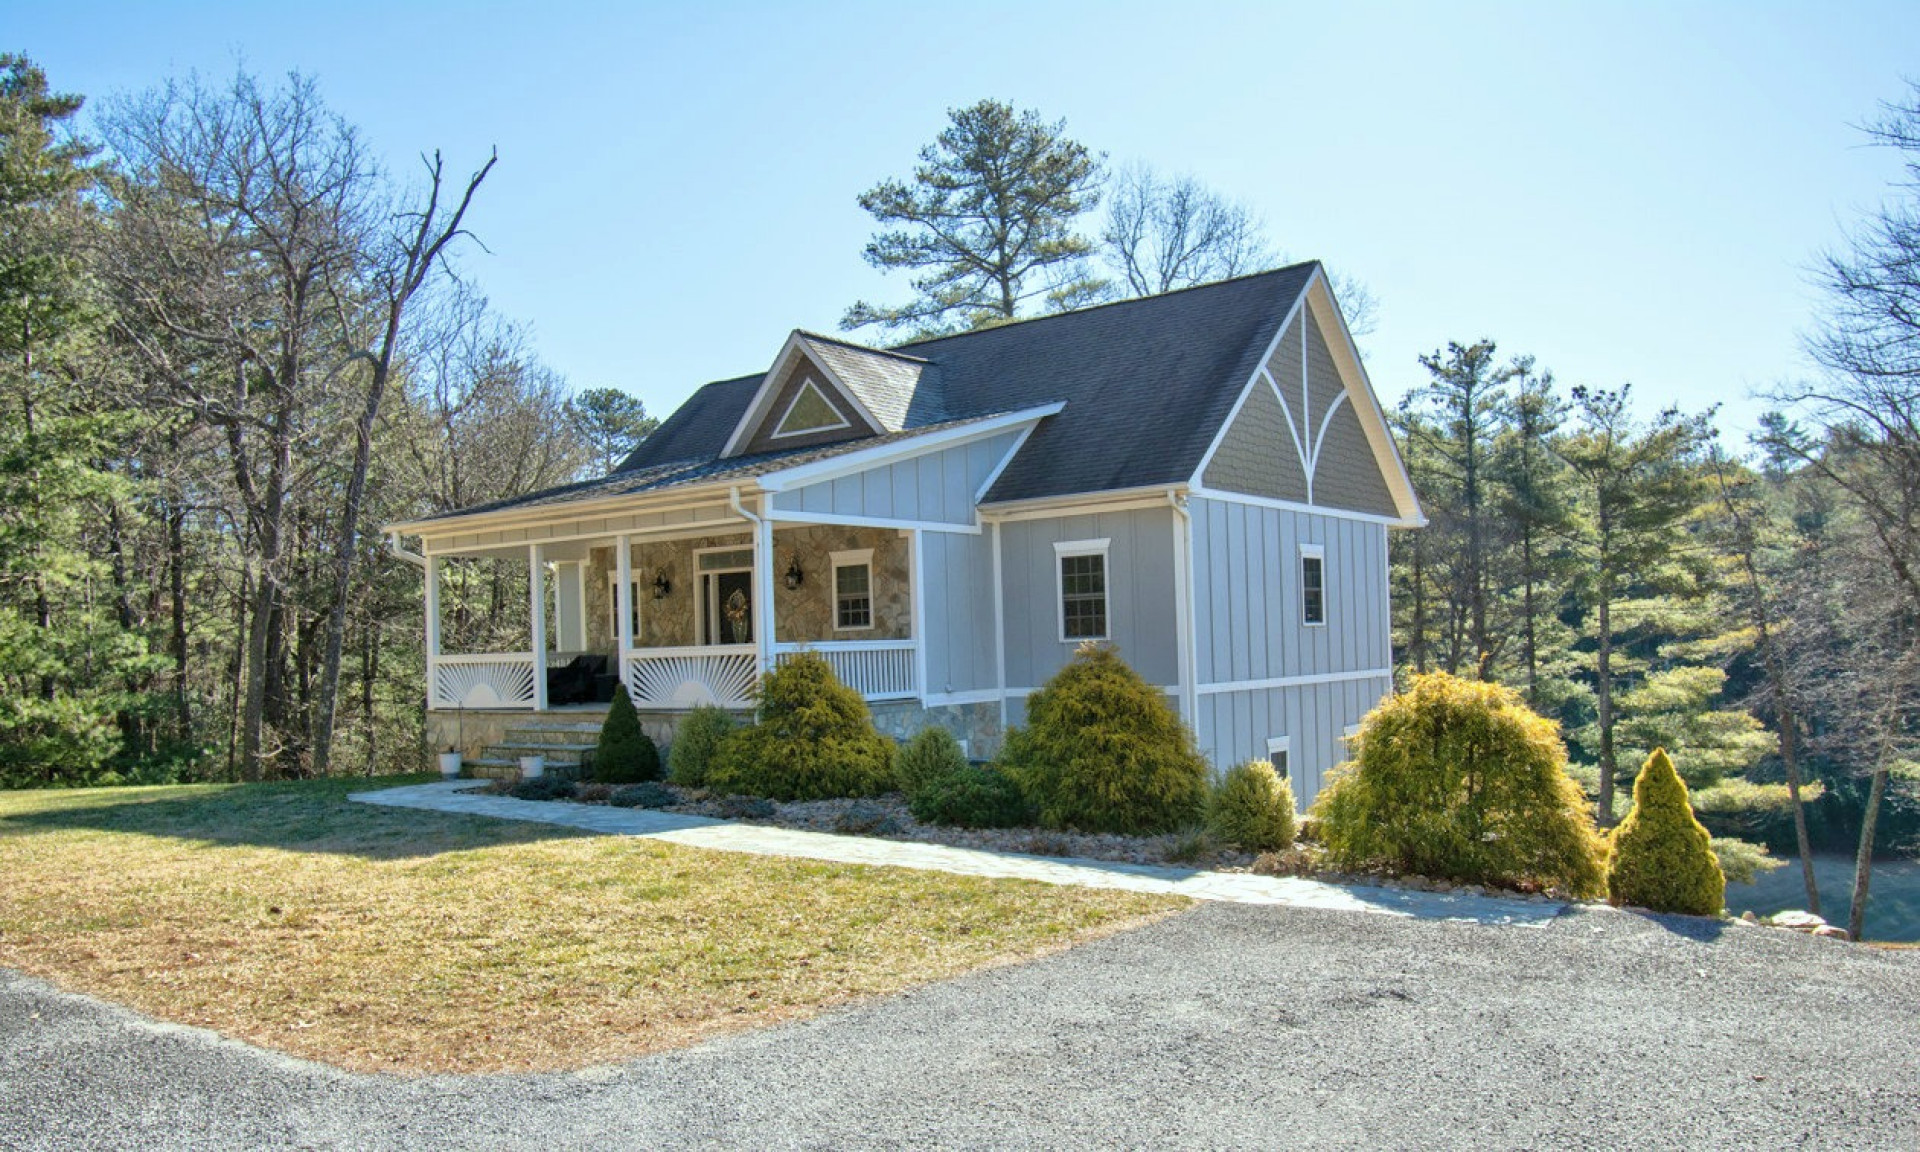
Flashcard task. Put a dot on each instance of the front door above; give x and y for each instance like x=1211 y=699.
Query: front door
x=727 y=607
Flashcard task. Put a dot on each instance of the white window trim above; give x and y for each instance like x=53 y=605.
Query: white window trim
x=700 y=606
x=613 y=607
x=1065 y=548
x=853 y=558
x=1281 y=744
x=1315 y=552
x=807 y=384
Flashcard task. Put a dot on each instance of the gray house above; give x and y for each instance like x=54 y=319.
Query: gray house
x=1203 y=479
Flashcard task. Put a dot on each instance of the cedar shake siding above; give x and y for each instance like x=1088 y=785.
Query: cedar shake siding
x=1257 y=455
x=1266 y=449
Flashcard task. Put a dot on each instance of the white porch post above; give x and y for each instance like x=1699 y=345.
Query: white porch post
x=537 y=601
x=916 y=603
x=623 y=602
x=570 y=606
x=763 y=629
x=433 y=626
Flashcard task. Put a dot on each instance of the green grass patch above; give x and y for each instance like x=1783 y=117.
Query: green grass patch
x=379 y=938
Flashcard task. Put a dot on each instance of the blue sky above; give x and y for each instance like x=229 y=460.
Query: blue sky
x=1630 y=192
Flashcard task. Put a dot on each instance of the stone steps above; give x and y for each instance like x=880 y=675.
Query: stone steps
x=555 y=753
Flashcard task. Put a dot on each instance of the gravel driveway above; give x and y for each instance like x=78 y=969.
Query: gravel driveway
x=1228 y=1026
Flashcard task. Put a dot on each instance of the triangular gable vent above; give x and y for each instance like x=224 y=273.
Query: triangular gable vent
x=810 y=411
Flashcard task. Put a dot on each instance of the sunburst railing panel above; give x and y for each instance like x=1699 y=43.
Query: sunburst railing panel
x=482 y=681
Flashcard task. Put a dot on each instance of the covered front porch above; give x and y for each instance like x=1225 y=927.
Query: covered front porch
x=683 y=606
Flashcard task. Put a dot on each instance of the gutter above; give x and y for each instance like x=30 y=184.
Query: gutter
x=762 y=587
x=394 y=546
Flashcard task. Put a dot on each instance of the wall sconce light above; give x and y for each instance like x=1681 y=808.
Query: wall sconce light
x=794 y=577
x=661 y=585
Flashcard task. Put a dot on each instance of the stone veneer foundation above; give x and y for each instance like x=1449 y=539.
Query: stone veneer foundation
x=473 y=732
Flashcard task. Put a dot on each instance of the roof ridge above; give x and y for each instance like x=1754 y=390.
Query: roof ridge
x=821 y=336
x=1294 y=267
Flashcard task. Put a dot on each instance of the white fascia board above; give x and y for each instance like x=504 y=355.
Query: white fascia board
x=1267 y=685
x=1224 y=497
x=786 y=516
x=1373 y=419
x=860 y=460
x=1082 y=503
x=709 y=493
x=1253 y=381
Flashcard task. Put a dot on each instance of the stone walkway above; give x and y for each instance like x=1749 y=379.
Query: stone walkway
x=460 y=797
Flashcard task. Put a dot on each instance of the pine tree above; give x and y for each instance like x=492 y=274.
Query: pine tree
x=987 y=225
x=1636 y=484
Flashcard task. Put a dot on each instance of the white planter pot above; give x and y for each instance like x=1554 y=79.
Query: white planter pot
x=450 y=764
x=532 y=767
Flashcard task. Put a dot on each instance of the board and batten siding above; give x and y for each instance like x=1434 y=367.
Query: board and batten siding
x=1234 y=727
x=938 y=487
x=956 y=577
x=1249 y=628
x=1141 y=616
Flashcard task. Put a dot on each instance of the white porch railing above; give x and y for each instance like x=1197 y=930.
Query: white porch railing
x=486 y=680
x=726 y=675
x=877 y=669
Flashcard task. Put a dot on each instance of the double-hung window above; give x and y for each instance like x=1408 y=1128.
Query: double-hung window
x=1313 y=584
x=853 y=590
x=1081 y=566
x=1278 y=748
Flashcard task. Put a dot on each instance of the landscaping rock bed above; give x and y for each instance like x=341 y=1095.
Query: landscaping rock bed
x=887 y=818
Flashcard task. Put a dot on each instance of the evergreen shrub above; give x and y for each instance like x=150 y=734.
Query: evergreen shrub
x=541 y=788
x=1252 y=808
x=695 y=743
x=813 y=740
x=1458 y=779
x=971 y=797
x=1662 y=857
x=647 y=794
x=930 y=758
x=625 y=753
x=1103 y=752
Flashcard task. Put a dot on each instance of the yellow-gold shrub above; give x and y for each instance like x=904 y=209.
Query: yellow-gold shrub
x=1459 y=779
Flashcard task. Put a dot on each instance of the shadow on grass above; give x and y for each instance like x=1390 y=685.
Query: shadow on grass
x=297 y=816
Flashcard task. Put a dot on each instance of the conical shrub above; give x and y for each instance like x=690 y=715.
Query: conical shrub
x=1102 y=751
x=1662 y=857
x=813 y=740
x=1252 y=808
x=625 y=753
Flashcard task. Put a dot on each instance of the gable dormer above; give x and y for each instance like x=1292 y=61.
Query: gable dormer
x=822 y=391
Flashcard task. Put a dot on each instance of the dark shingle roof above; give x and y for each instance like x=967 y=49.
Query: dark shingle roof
x=900 y=391
x=1147 y=384
x=712 y=470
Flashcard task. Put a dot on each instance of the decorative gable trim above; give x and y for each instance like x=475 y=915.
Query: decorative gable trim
x=758 y=408
x=1316 y=302
x=808 y=387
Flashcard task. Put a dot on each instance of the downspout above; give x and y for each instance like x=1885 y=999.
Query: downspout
x=762 y=584
x=1183 y=593
x=394 y=546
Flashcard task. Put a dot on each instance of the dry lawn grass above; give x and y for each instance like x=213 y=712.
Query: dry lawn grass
x=375 y=938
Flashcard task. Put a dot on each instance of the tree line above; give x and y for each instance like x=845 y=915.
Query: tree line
x=1752 y=612
x=230 y=347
